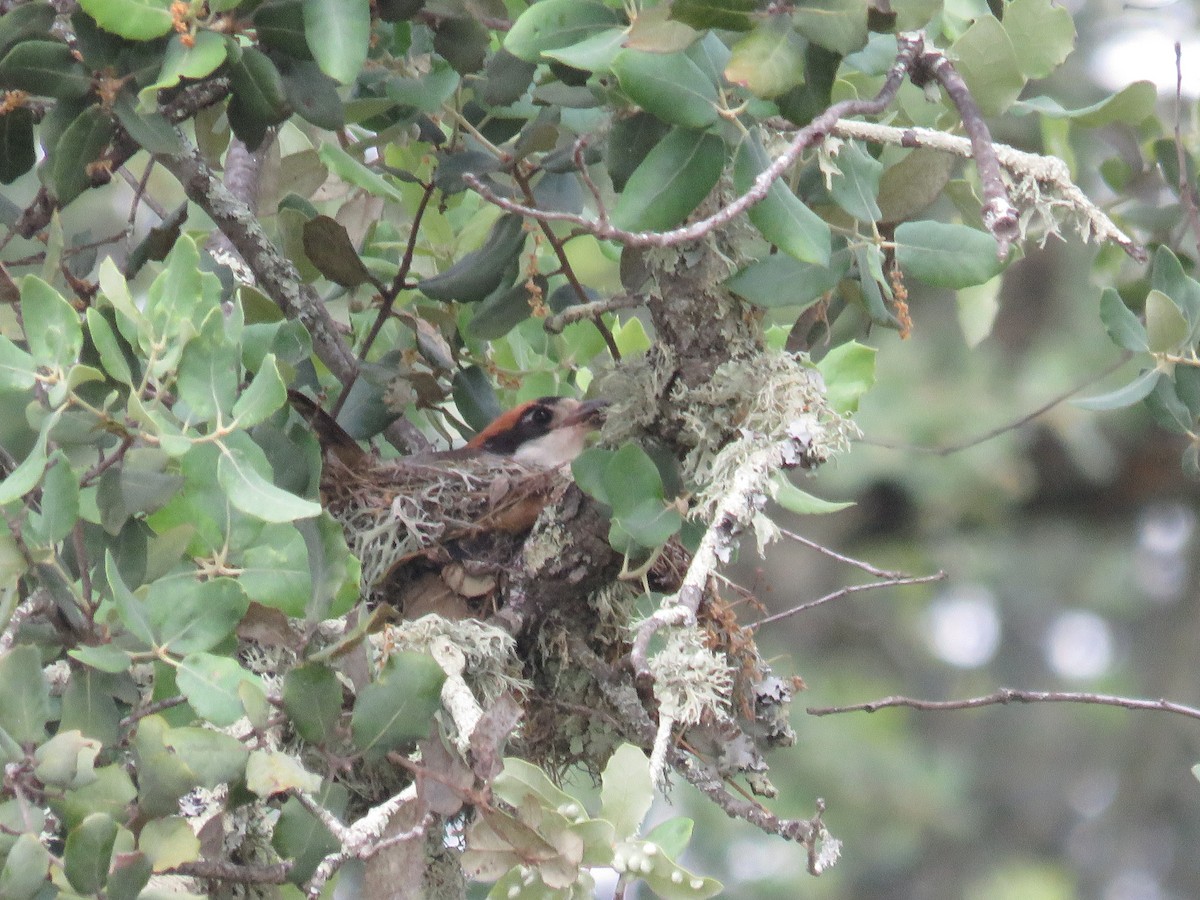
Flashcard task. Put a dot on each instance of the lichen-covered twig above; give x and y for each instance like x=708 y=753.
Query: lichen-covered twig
x=364 y=838
x=1045 y=171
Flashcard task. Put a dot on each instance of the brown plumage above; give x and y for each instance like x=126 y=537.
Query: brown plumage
x=434 y=532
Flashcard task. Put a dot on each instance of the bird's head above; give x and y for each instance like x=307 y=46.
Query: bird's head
x=544 y=433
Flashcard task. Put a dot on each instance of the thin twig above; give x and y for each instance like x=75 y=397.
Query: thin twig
x=1187 y=191
x=833 y=554
x=139 y=193
x=389 y=296
x=1004 y=696
x=151 y=708
x=557 y=322
x=948 y=449
x=911 y=45
x=564 y=265
x=847 y=591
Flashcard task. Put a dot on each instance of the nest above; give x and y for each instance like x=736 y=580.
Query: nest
x=436 y=534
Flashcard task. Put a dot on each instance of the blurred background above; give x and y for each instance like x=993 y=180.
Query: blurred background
x=1070 y=547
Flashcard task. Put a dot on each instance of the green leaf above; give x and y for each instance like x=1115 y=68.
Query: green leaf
x=210 y=684
x=594 y=53
x=18 y=371
x=27 y=21
x=80 y=145
x=128 y=876
x=780 y=280
x=1167 y=275
x=552 y=24
x=102 y=657
x=52 y=326
x=25 y=700
x=17 y=152
x=250 y=492
x=476 y=274
x=398 y=707
x=801 y=502
x=781 y=216
x=45 y=68
x=263 y=396
x=769 y=60
x=188 y=615
x=151 y=130
x=196 y=59
x=60 y=503
x=1042 y=34
x=950 y=256
x=130 y=609
x=334 y=572
x=259 y=97
x=849 y=372
x=1166 y=327
x=112 y=357
x=837 y=25
x=626 y=791
x=213 y=758
x=631 y=477
x=351 y=169
x=137 y=20
x=728 y=15
x=1131 y=105
x=856 y=188
x=207 y=376
x=271 y=772
x=280 y=26
x=327 y=245
x=25 y=476
x=88 y=851
x=670 y=86
x=671 y=181
x=985 y=58
x=275 y=571
x=26 y=866
x=651 y=524
x=169 y=842
x=338 y=34
x=1126 y=395
x=672 y=835
x=67 y=760
x=312 y=697
x=88 y=705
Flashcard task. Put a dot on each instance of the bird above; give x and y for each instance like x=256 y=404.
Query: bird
x=435 y=531
x=545 y=433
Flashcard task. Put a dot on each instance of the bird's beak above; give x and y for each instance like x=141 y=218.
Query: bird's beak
x=589 y=413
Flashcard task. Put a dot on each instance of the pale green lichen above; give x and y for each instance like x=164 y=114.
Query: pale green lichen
x=690 y=680
x=777 y=403
x=491 y=653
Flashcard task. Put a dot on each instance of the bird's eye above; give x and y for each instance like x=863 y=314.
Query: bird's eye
x=540 y=415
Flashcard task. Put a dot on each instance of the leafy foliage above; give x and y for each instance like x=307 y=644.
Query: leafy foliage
x=444 y=192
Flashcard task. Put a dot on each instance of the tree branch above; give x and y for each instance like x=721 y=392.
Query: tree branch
x=1044 y=171
x=911 y=45
x=1004 y=696
x=846 y=592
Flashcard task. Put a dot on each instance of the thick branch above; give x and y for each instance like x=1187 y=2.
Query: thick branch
x=274 y=272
